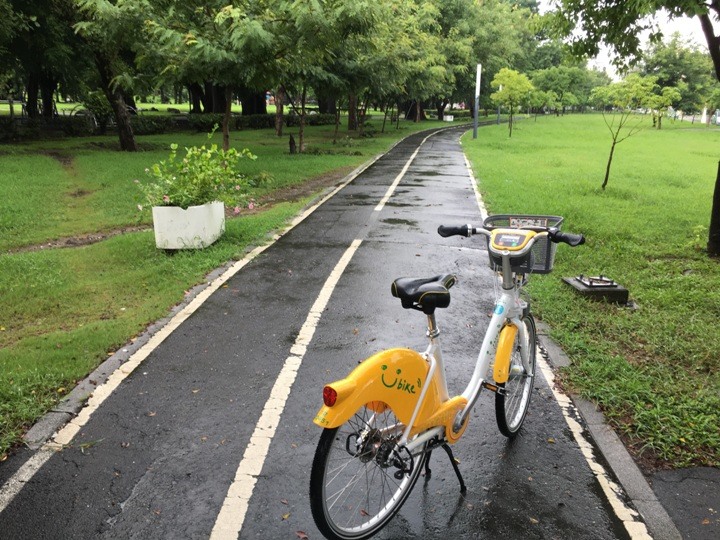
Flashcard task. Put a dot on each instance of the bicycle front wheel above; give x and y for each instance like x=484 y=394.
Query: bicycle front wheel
x=359 y=479
x=513 y=400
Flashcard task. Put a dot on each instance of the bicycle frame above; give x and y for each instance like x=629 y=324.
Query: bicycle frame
x=430 y=413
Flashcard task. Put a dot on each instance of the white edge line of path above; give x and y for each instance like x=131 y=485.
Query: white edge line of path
x=230 y=520
x=614 y=493
x=65 y=434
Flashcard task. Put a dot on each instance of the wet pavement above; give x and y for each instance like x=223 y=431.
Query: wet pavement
x=157 y=458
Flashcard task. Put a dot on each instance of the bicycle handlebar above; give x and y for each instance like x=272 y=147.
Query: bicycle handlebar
x=568 y=238
x=554 y=234
x=463 y=230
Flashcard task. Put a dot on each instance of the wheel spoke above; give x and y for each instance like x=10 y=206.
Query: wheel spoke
x=354 y=492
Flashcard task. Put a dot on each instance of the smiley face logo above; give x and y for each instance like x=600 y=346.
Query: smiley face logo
x=382 y=377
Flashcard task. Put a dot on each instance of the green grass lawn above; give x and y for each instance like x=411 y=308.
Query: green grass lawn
x=654 y=370
x=62 y=311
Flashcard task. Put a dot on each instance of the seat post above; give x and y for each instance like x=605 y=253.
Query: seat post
x=433 y=331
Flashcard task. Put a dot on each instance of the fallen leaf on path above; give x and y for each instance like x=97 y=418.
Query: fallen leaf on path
x=301 y=535
x=286 y=516
x=284 y=501
x=534 y=521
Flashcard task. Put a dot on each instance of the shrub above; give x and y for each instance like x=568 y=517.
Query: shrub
x=203 y=175
x=204 y=122
x=8 y=129
x=76 y=126
x=150 y=125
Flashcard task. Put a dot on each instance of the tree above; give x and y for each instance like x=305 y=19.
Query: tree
x=623 y=99
x=588 y=24
x=311 y=36
x=681 y=64
x=110 y=30
x=659 y=102
x=228 y=45
x=513 y=89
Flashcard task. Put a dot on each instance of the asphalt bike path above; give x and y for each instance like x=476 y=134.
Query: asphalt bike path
x=212 y=435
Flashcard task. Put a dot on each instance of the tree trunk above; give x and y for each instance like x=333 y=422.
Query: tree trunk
x=33 y=90
x=609 y=163
x=713 y=245
x=207 y=100
x=130 y=103
x=337 y=124
x=326 y=104
x=219 y=99
x=440 y=105
x=303 y=96
x=279 y=109
x=362 y=115
x=117 y=102
x=196 y=98
x=226 y=118
x=253 y=102
x=352 y=113
x=713 y=41
x=47 y=90
x=392 y=107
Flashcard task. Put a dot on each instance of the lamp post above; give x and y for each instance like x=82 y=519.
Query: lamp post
x=477 y=99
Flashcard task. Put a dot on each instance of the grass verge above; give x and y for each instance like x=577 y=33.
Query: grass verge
x=62 y=311
x=654 y=370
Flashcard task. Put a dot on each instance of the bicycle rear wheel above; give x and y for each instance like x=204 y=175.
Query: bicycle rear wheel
x=358 y=480
x=512 y=402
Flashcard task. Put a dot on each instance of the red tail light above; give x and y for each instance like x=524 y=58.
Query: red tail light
x=329 y=396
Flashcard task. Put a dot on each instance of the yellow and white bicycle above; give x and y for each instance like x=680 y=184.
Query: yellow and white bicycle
x=384 y=419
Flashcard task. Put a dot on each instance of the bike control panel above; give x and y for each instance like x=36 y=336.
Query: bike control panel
x=511 y=240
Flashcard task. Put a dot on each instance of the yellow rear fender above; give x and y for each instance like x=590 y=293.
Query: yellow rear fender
x=389 y=379
x=501 y=369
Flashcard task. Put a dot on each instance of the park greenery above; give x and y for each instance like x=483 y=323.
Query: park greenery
x=652 y=367
x=63 y=311
x=325 y=72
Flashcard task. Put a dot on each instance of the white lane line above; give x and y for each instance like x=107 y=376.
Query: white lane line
x=232 y=514
x=64 y=436
x=478 y=197
x=613 y=492
x=399 y=177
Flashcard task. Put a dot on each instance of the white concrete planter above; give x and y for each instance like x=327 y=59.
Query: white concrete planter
x=194 y=228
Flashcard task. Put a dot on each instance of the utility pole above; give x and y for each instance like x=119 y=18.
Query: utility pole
x=477 y=99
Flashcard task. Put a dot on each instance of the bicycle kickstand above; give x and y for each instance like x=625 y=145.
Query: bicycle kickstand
x=450 y=454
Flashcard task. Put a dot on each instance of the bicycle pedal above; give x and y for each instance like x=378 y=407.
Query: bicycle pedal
x=493 y=388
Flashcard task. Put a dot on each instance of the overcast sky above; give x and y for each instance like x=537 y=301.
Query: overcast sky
x=688 y=28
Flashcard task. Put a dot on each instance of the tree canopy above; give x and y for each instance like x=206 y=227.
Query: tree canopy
x=588 y=24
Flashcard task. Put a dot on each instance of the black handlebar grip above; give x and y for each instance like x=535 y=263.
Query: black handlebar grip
x=568 y=238
x=445 y=230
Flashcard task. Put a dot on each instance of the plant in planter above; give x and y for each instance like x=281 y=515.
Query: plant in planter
x=189 y=194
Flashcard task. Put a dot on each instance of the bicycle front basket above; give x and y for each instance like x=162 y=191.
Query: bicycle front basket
x=542 y=255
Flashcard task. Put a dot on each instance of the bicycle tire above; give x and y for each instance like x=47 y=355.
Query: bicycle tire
x=513 y=400
x=352 y=496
